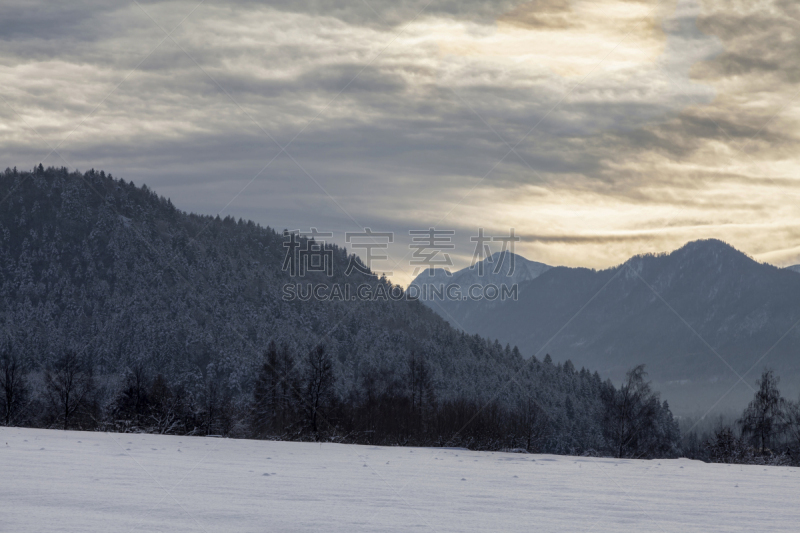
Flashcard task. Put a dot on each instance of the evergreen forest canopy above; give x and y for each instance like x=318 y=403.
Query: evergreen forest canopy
x=122 y=313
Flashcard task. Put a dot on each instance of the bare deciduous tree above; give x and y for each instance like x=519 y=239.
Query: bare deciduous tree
x=763 y=419
x=319 y=385
x=13 y=389
x=69 y=384
x=631 y=413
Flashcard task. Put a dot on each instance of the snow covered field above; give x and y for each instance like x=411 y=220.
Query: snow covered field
x=99 y=482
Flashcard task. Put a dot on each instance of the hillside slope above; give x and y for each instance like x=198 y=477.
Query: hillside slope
x=100 y=267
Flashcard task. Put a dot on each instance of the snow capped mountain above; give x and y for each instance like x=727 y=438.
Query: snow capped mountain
x=499 y=268
x=795 y=268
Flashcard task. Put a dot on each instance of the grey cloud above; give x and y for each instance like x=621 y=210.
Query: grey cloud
x=398 y=138
x=352 y=78
x=545 y=14
x=585 y=239
x=39 y=19
x=657 y=234
x=388 y=12
x=756 y=44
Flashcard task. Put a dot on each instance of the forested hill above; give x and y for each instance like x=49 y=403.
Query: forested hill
x=142 y=292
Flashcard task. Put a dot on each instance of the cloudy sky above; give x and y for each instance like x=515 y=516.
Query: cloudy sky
x=596 y=129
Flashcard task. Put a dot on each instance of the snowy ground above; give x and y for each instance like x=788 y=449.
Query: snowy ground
x=99 y=482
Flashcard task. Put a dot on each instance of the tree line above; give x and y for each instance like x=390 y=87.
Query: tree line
x=295 y=398
x=767 y=432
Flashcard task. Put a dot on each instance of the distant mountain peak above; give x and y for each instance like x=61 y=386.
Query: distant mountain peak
x=495 y=268
x=505 y=253
x=711 y=241
x=709 y=251
x=706 y=245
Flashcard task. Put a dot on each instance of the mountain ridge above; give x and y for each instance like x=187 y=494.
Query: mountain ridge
x=702 y=314
x=501 y=266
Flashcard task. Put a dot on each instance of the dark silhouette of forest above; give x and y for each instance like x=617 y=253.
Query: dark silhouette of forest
x=122 y=313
